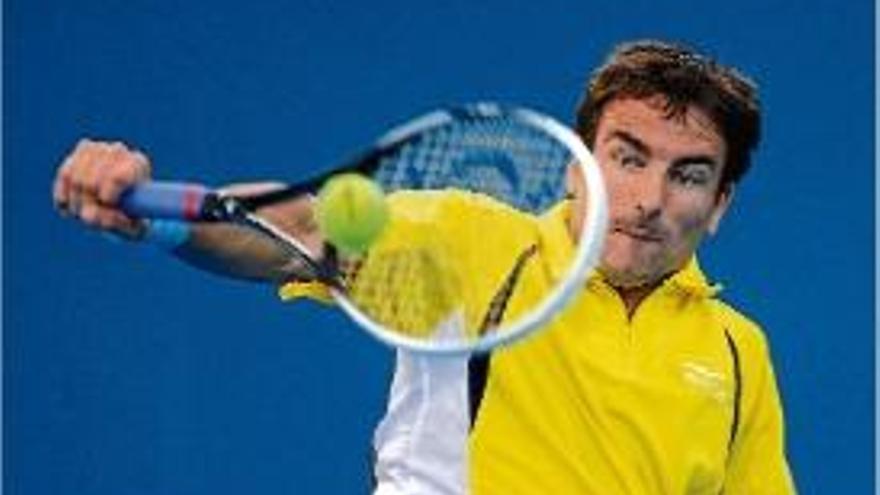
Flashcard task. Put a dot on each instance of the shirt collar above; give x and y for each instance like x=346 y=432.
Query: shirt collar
x=692 y=280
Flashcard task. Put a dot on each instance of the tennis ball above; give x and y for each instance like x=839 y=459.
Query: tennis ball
x=351 y=212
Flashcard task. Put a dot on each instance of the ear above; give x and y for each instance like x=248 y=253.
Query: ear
x=574 y=177
x=575 y=190
x=721 y=203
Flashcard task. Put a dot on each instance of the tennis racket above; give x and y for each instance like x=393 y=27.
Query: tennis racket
x=462 y=265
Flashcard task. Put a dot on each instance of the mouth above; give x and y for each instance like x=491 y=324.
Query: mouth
x=641 y=235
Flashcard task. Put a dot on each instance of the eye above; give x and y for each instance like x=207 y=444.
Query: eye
x=692 y=175
x=627 y=158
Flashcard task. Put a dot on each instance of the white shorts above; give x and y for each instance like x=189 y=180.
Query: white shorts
x=421 y=443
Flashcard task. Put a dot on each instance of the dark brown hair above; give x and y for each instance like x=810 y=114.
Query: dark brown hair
x=644 y=69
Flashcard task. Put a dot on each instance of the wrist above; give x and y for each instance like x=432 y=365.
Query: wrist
x=166 y=234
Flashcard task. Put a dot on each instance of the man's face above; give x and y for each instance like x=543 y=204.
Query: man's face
x=662 y=176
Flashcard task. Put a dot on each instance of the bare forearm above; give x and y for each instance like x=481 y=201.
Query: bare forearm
x=235 y=252
x=239 y=252
x=94 y=174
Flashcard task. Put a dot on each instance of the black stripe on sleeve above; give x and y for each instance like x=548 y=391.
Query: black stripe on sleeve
x=478 y=373
x=478 y=364
x=737 y=387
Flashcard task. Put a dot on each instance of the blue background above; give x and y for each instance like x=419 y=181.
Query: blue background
x=127 y=374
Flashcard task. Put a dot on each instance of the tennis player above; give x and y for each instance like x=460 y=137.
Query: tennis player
x=650 y=384
x=647 y=384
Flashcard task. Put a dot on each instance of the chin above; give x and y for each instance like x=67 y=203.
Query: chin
x=626 y=279
x=626 y=270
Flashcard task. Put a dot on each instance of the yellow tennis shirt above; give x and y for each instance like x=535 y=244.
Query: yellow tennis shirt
x=679 y=399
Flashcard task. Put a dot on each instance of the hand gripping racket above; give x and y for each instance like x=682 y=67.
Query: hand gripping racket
x=463 y=264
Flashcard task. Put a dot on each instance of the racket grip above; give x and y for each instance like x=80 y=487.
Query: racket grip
x=165 y=200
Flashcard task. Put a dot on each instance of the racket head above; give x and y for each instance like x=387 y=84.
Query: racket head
x=416 y=287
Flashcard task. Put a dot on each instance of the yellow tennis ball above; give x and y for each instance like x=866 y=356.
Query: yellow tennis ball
x=351 y=212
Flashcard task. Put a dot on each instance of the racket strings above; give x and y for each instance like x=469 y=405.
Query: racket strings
x=464 y=194
x=414 y=291
x=422 y=287
x=500 y=157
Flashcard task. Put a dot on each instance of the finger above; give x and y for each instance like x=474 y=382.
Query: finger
x=61 y=192
x=126 y=167
x=95 y=166
x=142 y=166
x=127 y=227
x=89 y=214
x=79 y=171
x=61 y=187
x=113 y=220
x=101 y=217
x=118 y=173
x=76 y=198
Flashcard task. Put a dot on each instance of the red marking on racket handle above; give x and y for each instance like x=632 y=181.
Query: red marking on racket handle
x=192 y=202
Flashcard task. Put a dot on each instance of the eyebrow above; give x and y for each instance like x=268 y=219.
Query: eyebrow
x=629 y=139
x=642 y=147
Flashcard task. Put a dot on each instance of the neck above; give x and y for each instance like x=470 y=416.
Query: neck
x=633 y=297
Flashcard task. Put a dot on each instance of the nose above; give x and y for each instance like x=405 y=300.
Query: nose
x=650 y=192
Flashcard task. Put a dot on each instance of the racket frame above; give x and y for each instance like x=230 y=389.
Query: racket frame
x=587 y=253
